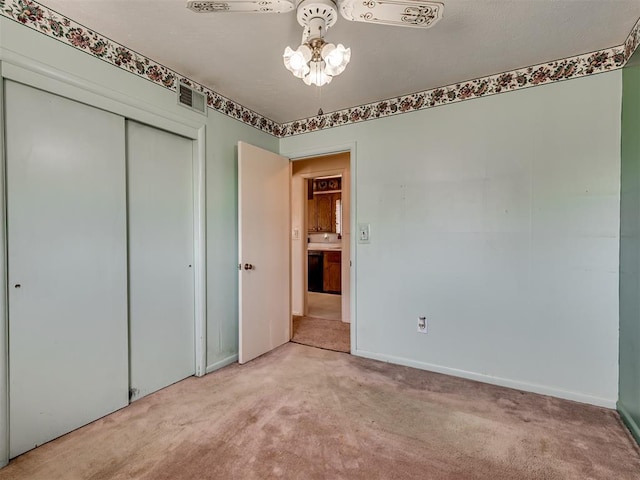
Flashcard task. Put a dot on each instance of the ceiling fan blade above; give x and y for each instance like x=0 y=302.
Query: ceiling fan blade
x=246 y=6
x=401 y=13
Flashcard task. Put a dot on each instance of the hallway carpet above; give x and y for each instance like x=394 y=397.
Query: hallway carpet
x=305 y=413
x=324 y=305
x=318 y=332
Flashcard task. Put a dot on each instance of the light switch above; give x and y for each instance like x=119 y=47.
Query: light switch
x=295 y=233
x=363 y=233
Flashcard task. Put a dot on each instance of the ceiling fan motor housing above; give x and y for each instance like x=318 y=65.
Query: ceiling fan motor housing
x=316 y=16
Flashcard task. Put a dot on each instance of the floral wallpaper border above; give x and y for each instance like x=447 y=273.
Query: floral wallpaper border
x=632 y=41
x=544 y=73
x=38 y=17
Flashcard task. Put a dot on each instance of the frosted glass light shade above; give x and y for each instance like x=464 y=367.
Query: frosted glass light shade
x=317 y=75
x=336 y=58
x=296 y=60
x=317 y=62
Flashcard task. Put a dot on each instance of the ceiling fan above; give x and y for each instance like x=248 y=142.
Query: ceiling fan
x=315 y=61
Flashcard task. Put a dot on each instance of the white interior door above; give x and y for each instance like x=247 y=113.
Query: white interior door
x=264 y=257
x=66 y=225
x=161 y=280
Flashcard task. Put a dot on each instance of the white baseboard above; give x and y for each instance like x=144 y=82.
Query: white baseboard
x=629 y=422
x=503 y=382
x=222 y=363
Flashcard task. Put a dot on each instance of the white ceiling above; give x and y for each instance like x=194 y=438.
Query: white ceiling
x=240 y=55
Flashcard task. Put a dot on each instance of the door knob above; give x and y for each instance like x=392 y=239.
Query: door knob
x=248 y=266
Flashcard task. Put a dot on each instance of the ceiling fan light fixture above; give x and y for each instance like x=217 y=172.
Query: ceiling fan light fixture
x=322 y=60
x=315 y=61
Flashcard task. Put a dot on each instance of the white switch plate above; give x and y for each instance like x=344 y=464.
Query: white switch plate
x=363 y=232
x=295 y=234
x=422 y=327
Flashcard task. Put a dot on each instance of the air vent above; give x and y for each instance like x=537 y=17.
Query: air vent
x=190 y=98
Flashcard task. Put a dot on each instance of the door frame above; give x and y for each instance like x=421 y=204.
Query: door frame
x=187 y=124
x=306 y=154
x=305 y=230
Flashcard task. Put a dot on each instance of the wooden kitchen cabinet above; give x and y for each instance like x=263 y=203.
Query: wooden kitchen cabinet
x=332 y=272
x=321 y=213
x=312 y=218
x=325 y=213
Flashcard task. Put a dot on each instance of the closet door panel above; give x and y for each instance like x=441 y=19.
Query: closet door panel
x=66 y=200
x=161 y=281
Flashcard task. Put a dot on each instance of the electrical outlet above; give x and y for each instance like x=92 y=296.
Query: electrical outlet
x=422 y=324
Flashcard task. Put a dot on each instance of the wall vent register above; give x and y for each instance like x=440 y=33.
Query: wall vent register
x=192 y=99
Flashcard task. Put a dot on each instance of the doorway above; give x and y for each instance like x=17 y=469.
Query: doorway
x=320 y=251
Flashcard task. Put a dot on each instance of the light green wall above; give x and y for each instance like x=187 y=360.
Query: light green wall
x=497 y=219
x=629 y=401
x=222 y=230
x=222 y=135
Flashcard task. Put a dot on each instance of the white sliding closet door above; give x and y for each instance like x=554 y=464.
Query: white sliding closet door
x=161 y=280
x=66 y=200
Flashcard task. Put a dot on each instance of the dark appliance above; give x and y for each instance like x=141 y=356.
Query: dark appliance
x=316 y=267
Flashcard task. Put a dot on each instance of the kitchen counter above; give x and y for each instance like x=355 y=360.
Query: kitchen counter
x=324 y=247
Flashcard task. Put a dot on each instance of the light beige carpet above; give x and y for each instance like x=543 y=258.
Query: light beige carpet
x=306 y=413
x=318 y=332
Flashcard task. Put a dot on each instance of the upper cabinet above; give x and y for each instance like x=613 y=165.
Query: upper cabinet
x=324 y=205
x=325 y=213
